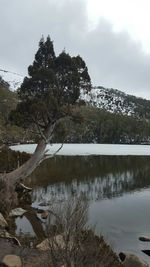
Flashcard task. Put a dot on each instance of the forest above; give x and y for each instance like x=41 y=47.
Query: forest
x=95 y=125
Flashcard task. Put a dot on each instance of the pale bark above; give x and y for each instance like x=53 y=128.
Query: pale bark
x=28 y=167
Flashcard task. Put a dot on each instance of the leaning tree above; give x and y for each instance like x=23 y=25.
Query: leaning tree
x=46 y=96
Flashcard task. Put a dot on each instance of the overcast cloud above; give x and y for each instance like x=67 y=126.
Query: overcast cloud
x=114 y=59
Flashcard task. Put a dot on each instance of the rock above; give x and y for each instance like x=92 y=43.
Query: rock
x=130 y=260
x=57 y=241
x=6 y=235
x=146 y=251
x=17 y=212
x=144 y=238
x=15 y=241
x=44 y=245
x=60 y=241
x=44 y=204
x=12 y=261
x=3 y=223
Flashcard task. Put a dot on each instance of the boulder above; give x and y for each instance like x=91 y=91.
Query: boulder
x=146 y=251
x=130 y=260
x=4 y=234
x=144 y=238
x=44 y=245
x=12 y=261
x=15 y=241
x=3 y=223
x=57 y=241
x=44 y=204
x=17 y=212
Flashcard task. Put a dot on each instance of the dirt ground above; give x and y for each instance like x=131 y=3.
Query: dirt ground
x=33 y=257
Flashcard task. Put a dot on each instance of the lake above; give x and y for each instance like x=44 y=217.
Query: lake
x=117 y=188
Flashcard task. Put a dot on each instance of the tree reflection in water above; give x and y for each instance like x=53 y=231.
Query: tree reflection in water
x=96 y=177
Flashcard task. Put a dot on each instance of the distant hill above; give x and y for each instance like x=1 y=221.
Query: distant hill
x=111 y=116
x=108 y=116
x=8 y=101
x=116 y=101
x=109 y=99
x=13 y=80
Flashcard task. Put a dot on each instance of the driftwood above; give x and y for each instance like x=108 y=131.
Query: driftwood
x=21 y=188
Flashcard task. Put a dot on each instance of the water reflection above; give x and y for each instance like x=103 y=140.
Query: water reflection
x=117 y=189
x=95 y=177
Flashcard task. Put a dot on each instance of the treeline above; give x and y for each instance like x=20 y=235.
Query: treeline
x=10 y=160
x=90 y=125
x=9 y=133
x=99 y=126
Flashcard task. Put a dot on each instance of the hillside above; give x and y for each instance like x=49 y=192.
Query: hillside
x=8 y=101
x=112 y=100
x=115 y=101
x=13 y=80
x=107 y=116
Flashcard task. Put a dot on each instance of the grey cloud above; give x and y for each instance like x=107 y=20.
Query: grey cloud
x=24 y=22
x=114 y=59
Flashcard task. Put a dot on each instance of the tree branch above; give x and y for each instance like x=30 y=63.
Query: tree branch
x=41 y=133
x=46 y=156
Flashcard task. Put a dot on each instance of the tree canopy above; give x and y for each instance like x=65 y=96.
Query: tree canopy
x=52 y=87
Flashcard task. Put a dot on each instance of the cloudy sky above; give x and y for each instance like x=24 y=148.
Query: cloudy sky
x=113 y=37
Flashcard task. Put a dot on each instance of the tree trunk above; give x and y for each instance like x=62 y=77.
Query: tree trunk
x=28 y=167
x=36 y=224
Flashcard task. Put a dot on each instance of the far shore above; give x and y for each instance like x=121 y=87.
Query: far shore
x=89 y=149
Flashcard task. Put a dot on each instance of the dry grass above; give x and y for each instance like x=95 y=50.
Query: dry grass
x=77 y=246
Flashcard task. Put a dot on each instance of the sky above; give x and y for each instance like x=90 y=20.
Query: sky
x=112 y=36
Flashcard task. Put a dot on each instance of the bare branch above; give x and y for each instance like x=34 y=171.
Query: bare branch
x=47 y=156
x=57 y=150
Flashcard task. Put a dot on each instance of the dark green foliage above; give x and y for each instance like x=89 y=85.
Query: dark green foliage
x=8 y=100
x=9 y=160
x=99 y=126
x=53 y=86
x=3 y=83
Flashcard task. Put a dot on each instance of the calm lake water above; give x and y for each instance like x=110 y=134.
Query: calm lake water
x=117 y=188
